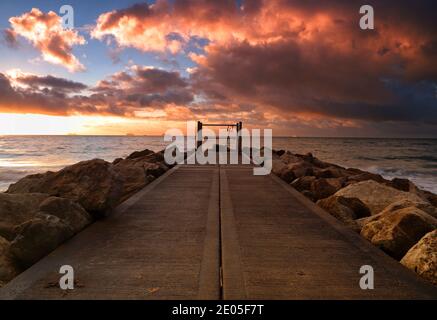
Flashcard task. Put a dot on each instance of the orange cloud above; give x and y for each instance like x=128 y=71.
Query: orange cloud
x=45 y=32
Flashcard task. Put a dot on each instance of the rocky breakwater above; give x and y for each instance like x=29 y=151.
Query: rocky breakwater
x=394 y=215
x=41 y=211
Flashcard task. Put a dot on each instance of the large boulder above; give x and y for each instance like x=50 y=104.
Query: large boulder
x=323 y=188
x=282 y=170
x=407 y=203
x=366 y=176
x=403 y=185
x=38 y=237
x=140 y=154
x=375 y=195
x=429 y=196
x=133 y=175
x=331 y=172
x=16 y=209
x=154 y=169
x=396 y=232
x=70 y=212
x=8 y=269
x=94 y=184
x=139 y=169
x=346 y=210
x=422 y=257
x=288 y=157
x=301 y=169
x=303 y=183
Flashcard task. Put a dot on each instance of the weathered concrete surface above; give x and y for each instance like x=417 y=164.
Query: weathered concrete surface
x=161 y=244
x=279 y=245
x=169 y=241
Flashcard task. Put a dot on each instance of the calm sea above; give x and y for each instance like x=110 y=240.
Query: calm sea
x=415 y=159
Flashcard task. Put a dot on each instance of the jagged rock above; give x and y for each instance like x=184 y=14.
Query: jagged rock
x=140 y=154
x=278 y=152
x=140 y=169
x=288 y=157
x=308 y=194
x=300 y=169
x=366 y=176
x=133 y=175
x=430 y=197
x=94 y=184
x=406 y=203
x=331 y=172
x=376 y=196
x=354 y=171
x=117 y=161
x=323 y=188
x=282 y=170
x=16 y=209
x=8 y=270
x=155 y=169
x=38 y=237
x=402 y=184
x=396 y=232
x=422 y=257
x=346 y=210
x=70 y=212
x=303 y=183
x=155 y=158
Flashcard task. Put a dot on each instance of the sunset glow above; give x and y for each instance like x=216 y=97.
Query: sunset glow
x=299 y=68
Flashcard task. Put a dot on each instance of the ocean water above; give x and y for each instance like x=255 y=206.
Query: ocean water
x=415 y=159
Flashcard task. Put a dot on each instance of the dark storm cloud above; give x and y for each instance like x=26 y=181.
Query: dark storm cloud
x=145 y=87
x=51 y=82
x=39 y=100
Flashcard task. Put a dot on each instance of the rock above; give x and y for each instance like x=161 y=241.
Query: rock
x=331 y=172
x=288 y=157
x=16 y=209
x=354 y=171
x=140 y=154
x=376 y=196
x=140 y=169
x=278 y=152
x=406 y=203
x=346 y=210
x=309 y=195
x=282 y=170
x=8 y=270
x=422 y=257
x=303 y=183
x=365 y=176
x=323 y=188
x=38 y=237
x=133 y=175
x=155 y=157
x=155 y=169
x=278 y=166
x=70 y=212
x=94 y=184
x=300 y=169
x=31 y=184
x=118 y=160
x=402 y=204
x=315 y=162
x=402 y=184
x=430 y=197
x=395 y=232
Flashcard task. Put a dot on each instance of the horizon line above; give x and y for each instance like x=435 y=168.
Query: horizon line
x=161 y=135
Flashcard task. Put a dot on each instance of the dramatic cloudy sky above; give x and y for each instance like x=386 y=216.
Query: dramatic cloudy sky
x=299 y=67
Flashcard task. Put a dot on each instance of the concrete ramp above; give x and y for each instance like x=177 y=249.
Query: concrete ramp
x=218 y=232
